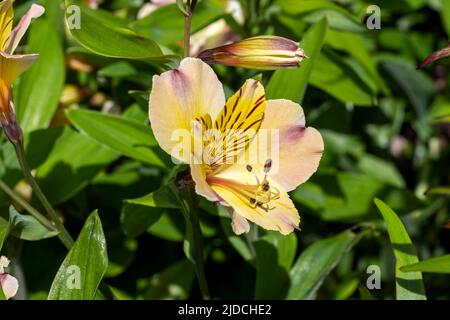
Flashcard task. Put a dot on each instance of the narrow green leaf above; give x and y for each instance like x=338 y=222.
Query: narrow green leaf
x=101 y=33
x=26 y=227
x=317 y=261
x=312 y=11
x=70 y=166
x=2 y=295
x=335 y=76
x=275 y=254
x=365 y=293
x=85 y=265
x=298 y=78
x=435 y=265
x=139 y=214
x=445 y=15
x=409 y=286
x=39 y=89
x=128 y=137
x=161 y=198
x=236 y=241
x=4 y=230
x=174 y=282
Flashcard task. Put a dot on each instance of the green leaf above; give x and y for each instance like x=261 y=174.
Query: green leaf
x=365 y=294
x=70 y=166
x=274 y=256
x=161 y=198
x=381 y=169
x=26 y=227
x=4 y=230
x=313 y=11
x=170 y=226
x=39 y=89
x=409 y=286
x=139 y=214
x=355 y=45
x=174 y=282
x=338 y=78
x=2 y=295
x=136 y=219
x=85 y=265
x=416 y=85
x=445 y=15
x=317 y=261
x=128 y=137
x=101 y=33
x=435 y=265
x=236 y=241
x=298 y=78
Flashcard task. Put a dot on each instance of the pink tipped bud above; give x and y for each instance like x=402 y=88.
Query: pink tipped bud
x=260 y=53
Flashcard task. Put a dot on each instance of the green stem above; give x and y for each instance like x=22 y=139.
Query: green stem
x=251 y=237
x=190 y=208
x=36 y=214
x=63 y=235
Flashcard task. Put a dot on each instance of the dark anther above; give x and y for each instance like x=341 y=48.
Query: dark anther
x=267 y=165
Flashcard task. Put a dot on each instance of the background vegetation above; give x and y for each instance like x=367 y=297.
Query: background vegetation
x=385 y=124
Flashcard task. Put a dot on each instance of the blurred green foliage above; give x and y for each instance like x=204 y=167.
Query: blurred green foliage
x=84 y=107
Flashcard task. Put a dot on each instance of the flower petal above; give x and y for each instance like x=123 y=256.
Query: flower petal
x=6 y=21
x=282 y=217
x=238 y=123
x=19 y=31
x=4 y=263
x=300 y=148
x=198 y=174
x=12 y=66
x=9 y=284
x=180 y=96
x=239 y=224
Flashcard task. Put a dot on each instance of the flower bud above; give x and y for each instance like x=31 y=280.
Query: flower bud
x=260 y=53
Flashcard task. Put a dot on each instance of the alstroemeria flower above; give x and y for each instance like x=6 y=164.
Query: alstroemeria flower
x=191 y=99
x=9 y=284
x=11 y=65
x=259 y=53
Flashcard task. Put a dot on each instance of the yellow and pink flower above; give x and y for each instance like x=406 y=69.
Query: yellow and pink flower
x=228 y=167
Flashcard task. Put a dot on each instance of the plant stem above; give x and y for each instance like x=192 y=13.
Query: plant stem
x=189 y=206
x=187 y=31
x=63 y=235
x=36 y=214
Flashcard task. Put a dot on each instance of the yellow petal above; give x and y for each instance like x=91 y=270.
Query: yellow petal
x=282 y=215
x=179 y=96
x=198 y=174
x=238 y=123
x=6 y=22
x=12 y=66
